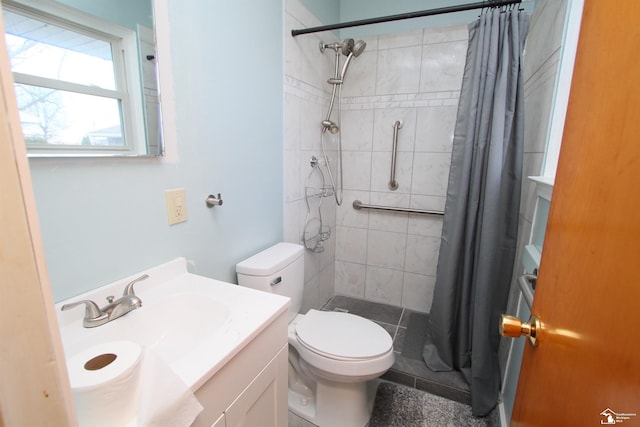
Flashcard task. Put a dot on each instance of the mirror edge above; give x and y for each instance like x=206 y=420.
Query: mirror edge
x=165 y=80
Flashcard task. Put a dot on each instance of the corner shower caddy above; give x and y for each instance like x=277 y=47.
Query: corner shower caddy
x=315 y=232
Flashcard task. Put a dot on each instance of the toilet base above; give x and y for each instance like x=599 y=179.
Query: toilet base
x=336 y=404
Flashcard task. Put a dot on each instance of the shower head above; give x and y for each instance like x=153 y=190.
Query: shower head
x=346 y=47
x=357 y=50
x=328 y=124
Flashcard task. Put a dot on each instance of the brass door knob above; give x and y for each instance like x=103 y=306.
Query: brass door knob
x=512 y=327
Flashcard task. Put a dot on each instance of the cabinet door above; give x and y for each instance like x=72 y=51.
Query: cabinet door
x=264 y=402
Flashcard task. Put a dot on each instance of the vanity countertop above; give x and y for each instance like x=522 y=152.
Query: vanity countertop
x=195 y=324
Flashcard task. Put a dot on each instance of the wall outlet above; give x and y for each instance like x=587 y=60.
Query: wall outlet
x=176 y=205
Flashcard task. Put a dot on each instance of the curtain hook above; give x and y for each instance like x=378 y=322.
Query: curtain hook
x=487 y=5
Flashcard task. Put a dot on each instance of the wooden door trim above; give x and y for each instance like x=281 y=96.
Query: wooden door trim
x=34 y=389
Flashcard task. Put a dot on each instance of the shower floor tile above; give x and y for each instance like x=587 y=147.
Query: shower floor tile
x=381 y=313
x=408 y=369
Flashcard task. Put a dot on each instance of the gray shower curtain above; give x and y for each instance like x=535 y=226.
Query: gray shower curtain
x=481 y=213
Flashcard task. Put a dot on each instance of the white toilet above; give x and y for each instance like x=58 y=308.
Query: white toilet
x=333 y=356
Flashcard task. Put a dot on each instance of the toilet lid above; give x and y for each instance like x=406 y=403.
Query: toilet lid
x=342 y=335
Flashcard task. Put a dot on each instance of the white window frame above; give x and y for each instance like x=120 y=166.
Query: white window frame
x=126 y=68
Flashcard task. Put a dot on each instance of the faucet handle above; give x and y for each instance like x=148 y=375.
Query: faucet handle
x=128 y=290
x=92 y=311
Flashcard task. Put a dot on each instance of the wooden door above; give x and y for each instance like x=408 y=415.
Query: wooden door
x=34 y=387
x=586 y=369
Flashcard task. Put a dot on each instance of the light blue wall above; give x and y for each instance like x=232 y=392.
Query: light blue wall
x=351 y=10
x=327 y=11
x=104 y=219
x=127 y=13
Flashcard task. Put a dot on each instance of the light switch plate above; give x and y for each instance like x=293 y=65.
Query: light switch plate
x=176 y=205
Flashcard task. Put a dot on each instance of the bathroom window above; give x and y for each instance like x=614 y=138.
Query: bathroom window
x=76 y=92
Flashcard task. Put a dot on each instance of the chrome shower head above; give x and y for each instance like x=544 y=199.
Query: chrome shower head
x=328 y=124
x=357 y=50
x=347 y=46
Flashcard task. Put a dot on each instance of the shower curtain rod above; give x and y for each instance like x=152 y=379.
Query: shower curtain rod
x=409 y=15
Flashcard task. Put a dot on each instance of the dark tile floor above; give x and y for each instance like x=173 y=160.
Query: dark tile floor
x=408 y=369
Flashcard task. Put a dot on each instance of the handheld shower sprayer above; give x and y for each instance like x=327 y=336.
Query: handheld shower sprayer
x=355 y=52
x=350 y=49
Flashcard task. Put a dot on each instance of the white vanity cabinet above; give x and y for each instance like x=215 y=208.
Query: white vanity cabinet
x=259 y=404
x=225 y=343
x=251 y=389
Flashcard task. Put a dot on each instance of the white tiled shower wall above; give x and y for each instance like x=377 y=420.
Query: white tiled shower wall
x=306 y=99
x=412 y=76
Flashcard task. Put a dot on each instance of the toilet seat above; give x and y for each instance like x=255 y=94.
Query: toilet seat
x=342 y=344
x=342 y=336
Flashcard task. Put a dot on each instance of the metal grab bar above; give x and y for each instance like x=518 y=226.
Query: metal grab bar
x=527 y=285
x=393 y=184
x=357 y=204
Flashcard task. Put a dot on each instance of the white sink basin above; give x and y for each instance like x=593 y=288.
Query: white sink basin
x=181 y=322
x=170 y=326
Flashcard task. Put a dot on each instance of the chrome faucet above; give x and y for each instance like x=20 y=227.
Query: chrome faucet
x=96 y=316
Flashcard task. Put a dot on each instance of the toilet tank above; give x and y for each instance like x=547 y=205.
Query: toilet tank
x=278 y=269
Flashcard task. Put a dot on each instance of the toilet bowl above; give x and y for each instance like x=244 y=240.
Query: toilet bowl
x=334 y=357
